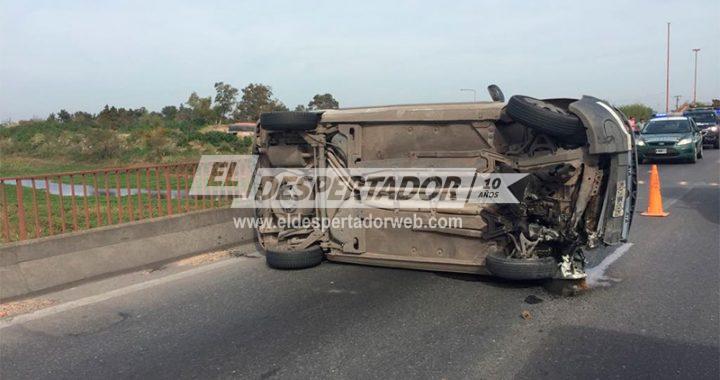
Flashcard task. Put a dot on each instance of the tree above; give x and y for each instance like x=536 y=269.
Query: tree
x=109 y=117
x=202 y=112
x=64 y=116
x=300 y=108
x=279 y=106
x=637 y=110
x=225 y=99
x=169 y=112
x=83 y=118
x=184 y=113
x=257 y=99
x=323 y=102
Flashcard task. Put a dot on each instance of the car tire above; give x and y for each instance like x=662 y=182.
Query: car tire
x=289 y=121
x=521 y=269
x=547 y=118
x=300 y=259
x=717 y=144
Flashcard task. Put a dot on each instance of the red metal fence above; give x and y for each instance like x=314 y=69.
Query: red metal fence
x=50 y=204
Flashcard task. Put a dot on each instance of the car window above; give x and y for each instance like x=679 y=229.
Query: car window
x=704 y=117
x=667 y=126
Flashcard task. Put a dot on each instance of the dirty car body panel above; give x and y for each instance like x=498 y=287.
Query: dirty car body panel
x=577 y=195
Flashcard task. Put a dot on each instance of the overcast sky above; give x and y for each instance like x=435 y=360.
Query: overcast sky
x=81 y=55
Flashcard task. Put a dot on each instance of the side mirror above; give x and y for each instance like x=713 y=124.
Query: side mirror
x=496 y=93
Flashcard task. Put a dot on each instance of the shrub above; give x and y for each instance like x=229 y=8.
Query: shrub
x=158 y=144
x=101 y=144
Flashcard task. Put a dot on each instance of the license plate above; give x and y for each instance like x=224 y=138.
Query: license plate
x=660 y=151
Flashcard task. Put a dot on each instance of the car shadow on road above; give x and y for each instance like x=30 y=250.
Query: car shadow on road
x=704 y=200
x=492 y=281
x=585 y=352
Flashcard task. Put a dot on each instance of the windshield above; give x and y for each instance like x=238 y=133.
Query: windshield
x=667 y=126
x=705 y=117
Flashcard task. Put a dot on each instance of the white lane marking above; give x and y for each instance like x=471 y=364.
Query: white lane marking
x=682 y=183
x=596 y=275
x=42 y=313
x=641 y=182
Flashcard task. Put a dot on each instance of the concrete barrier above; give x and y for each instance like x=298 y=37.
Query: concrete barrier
x=45 y=264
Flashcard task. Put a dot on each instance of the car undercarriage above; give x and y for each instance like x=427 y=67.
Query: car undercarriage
x=579 y=191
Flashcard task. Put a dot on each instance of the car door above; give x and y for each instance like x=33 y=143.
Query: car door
x=696 y=135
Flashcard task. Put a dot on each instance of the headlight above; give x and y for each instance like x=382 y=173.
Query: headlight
x=685 y=141
x=714 y=128
x=640 y=143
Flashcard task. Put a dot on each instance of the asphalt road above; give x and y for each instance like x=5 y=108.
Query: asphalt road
x=653 y=313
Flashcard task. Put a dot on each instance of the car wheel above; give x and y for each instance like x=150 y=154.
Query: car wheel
x=520 y=269
x=547 y=118
x=289 y=121
x=717 y=144
x=300 y=259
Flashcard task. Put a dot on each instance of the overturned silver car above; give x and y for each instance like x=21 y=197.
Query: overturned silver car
x=572 y=161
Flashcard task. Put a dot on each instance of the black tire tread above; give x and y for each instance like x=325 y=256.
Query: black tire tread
x=289 y=121
x=300 y=259
x=520 y=269
x=566 y=126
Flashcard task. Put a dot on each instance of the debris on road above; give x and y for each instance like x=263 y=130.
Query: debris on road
x=156 y=269
x=526 y=315
x=566 y=288
x=532 y=299
x=245 y=253
x=25 y=306
x=205 y=258
x=211 y=257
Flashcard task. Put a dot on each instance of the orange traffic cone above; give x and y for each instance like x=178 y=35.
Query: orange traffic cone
x=655 y=207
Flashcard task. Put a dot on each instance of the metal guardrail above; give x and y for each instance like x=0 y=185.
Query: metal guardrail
x=50 y=204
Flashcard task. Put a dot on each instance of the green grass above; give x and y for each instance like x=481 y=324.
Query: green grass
x=28 y=166
x=102 y=209
x=22 y=166
x=10 y=168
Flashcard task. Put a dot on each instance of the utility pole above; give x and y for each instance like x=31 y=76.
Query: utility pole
x=667 y=72
x=677 y=101
x=696 y=50
x=473 y=91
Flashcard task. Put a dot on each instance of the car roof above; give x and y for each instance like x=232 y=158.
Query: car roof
x=694 y=112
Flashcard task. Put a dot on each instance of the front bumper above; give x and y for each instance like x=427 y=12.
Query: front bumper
x=675 y=152
x=710 y=138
